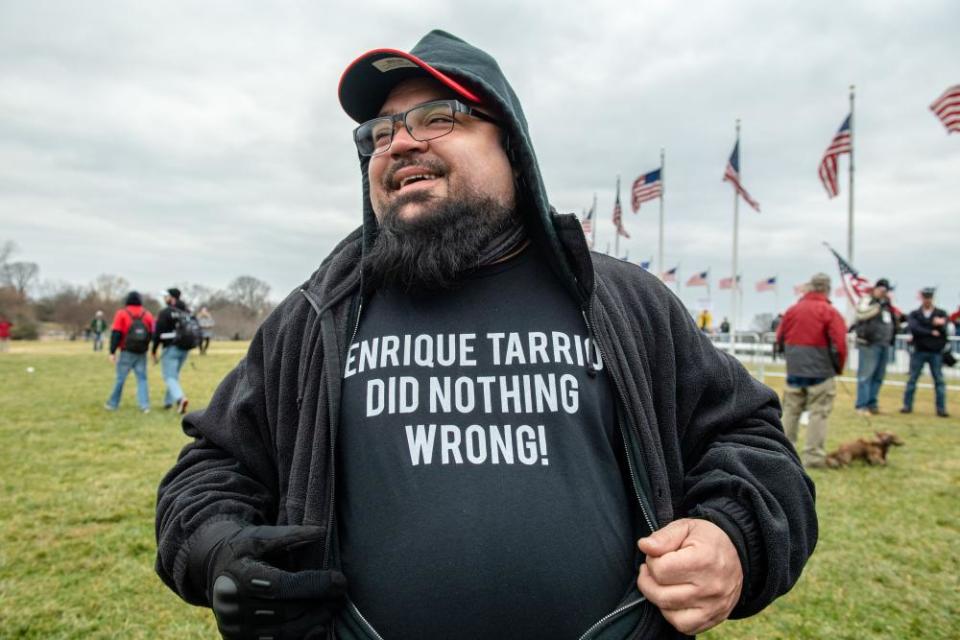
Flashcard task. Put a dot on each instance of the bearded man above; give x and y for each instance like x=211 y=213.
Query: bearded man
x=466 y=425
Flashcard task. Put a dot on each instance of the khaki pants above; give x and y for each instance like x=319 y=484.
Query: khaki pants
x=818 y=400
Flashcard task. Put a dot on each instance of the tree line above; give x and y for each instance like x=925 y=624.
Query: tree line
x=61 y=308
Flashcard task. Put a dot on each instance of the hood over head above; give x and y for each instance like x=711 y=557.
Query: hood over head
x=476 y=77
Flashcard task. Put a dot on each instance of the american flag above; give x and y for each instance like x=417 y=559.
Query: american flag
x=618 y=214
x=649 y=186
x=947 y=108
x=855 y=286
x=587 y=221
x=670 y=275
x=841 y=143
x=698 y=279
x=645 y=264
x=840 y=292
x=770 y=284
x=800 y=289
x=727 y=283
x=732 y=175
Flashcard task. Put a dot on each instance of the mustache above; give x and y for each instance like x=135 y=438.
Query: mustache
x=433 y=165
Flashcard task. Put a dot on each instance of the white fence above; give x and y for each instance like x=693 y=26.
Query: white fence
x=757 y=348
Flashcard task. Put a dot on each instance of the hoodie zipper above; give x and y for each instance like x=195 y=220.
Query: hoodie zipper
x=620 y=397
x=363 y=621
x=610 y=616
x=333 y=458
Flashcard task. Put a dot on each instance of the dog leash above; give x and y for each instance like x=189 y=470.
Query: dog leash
x=866 y=417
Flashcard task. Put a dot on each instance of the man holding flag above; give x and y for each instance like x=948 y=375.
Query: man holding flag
x=875 y=327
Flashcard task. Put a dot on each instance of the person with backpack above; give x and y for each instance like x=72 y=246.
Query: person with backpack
x=179 y=332
x=131 y=333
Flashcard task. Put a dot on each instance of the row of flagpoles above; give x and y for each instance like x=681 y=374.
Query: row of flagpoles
x=651 y=186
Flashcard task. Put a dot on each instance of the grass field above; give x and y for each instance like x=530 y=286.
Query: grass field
x=79 y=485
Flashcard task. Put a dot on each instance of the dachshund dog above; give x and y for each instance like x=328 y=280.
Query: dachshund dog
x=871 y=451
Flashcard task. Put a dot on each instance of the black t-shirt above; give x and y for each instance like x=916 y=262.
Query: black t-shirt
x=481 y=486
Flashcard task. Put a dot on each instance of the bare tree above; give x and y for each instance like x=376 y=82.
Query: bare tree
x=196 y=295
x=110 y=288
x=21 y=275
x=250 y=293
x=7 y=249
x=69 y=305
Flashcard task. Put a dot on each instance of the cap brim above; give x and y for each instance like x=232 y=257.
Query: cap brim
x=367 y=81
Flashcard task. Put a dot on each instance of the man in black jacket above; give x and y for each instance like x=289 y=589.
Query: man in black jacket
x=928 y=327
x=876 y=326
x=173 y=357
x=467 y=425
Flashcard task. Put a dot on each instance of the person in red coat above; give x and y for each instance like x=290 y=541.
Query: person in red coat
x=130 y=335
x=812 y=336
x=5 y=333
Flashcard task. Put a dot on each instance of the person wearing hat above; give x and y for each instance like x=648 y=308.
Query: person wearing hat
x=928 y=328
x=173 y=356
x=466 y=425
x=130 y=335
x=813 y=338
x=876 y=322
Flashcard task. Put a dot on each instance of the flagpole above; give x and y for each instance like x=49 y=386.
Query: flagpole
x=776 y=293
x=616 y=235
x=734 y=311
x=850 y=190
x=663 y=186
x=596 y=221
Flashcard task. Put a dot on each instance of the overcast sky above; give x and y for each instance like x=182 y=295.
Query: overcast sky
x=172 y=142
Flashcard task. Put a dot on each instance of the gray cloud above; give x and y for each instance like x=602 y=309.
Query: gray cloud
x=188 y=141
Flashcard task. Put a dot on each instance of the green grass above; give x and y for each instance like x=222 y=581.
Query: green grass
x=79 y=486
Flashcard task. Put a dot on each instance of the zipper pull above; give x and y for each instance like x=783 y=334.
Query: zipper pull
x=591 y=370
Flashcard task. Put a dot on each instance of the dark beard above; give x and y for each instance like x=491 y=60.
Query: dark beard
x=432 y=251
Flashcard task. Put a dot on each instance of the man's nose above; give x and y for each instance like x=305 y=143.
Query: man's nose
x=404 y=143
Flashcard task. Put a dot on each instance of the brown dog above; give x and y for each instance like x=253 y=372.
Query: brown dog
x=871 y=451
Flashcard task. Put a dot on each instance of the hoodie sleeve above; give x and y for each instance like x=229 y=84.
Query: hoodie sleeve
x=740 y=471
x=227 y=472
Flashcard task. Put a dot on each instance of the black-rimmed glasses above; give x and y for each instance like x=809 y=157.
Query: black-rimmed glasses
x=423 y=122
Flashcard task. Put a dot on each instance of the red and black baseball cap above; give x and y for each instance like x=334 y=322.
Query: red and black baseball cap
x=367 y=81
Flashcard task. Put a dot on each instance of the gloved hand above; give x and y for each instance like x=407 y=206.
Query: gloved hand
x=259 y=588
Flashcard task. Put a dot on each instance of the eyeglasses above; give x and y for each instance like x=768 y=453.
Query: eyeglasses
x=424 y=122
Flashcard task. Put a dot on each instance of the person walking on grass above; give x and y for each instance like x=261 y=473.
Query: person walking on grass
x=97 y=328
x=170 y=322
x=130 y=335
x=205 y=319
x=812 y=336
x=928 y=328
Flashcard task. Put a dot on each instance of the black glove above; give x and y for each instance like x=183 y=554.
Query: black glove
x=255 y=581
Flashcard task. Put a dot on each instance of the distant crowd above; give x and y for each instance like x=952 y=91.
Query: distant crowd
x=812 y=337
x=135 y=332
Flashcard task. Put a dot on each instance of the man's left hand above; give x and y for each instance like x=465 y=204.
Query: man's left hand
x=692 y=573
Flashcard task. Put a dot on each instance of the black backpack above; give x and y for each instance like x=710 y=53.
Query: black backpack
x=187 y=330
x=138 y=336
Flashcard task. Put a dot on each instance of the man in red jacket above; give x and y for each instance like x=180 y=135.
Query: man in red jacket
x=131 y=333
x=812 y=335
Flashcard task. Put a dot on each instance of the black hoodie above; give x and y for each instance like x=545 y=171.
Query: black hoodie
x=707 y=435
